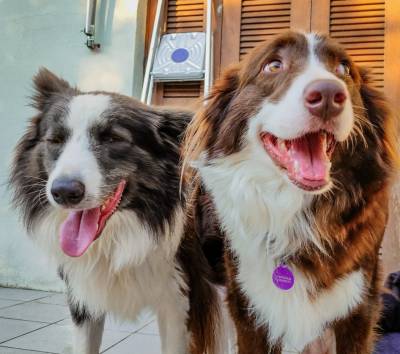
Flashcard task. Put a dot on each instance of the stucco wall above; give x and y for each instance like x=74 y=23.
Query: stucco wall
x=47 y=33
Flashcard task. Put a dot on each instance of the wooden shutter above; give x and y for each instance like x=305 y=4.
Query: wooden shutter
x=261 y=20
x=180 y=16
x=246 y=23
x=185 y=16
x=360 y=26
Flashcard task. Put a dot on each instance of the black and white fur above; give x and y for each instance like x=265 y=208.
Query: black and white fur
x=100 y=138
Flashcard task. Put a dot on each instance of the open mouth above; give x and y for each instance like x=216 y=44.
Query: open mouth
x=306 y=160
x=83 y=227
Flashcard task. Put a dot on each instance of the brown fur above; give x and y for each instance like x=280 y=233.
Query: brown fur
x=204 y=316
x=354 y=213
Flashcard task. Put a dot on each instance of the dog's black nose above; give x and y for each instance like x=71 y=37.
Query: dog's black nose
x=324 y=99
x=67 y=191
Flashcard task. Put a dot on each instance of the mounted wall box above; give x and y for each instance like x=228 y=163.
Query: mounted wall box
x=180 y=56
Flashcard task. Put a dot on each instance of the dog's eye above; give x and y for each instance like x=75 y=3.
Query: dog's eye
x=115 y=138
x=273 y=66
x=343 y=69
x=55 y=140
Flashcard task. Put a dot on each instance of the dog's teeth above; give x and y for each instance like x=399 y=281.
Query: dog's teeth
x=282 y=145
x=296 y=167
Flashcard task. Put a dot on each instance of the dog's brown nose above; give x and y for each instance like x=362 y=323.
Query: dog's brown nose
x=324 y=99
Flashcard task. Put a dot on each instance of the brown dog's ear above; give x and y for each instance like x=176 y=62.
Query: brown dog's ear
x=364 y=74
x=200 y=131
x=382 y=119
x=46 y=85
x=224 y=88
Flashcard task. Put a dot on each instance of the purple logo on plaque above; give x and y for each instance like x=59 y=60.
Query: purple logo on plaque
x=180 y=55
x=283 y=277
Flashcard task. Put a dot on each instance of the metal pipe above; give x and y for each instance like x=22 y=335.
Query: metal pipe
x=90 y=24
x=90 y=17
x=152 y=51
x=151 y=88
x=208 y=55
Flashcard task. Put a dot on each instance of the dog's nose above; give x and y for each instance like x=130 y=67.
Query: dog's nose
x=67 y=191
x=324 y=99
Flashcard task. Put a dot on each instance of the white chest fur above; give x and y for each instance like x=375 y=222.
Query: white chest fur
x=266 y=218
x=293 y=315
x=125 y=270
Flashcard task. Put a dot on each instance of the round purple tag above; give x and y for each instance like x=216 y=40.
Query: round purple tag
x=283 y=277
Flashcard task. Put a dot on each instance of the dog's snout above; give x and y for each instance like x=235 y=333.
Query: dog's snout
x=325 y=99
x=67 y=191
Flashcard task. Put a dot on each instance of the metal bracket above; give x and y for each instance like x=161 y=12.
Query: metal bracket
x=90 y=25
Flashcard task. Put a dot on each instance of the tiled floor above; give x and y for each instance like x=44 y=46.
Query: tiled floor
x=34 y=322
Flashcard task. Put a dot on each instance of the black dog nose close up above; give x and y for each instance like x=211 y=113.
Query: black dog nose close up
x=67 y=191
x=325 y=99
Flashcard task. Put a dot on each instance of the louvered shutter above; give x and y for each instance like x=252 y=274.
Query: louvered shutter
x=185 y=16
x=261 y=20
x=246 y=23
x=360 y=26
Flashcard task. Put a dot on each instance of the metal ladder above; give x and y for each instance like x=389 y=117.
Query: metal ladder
x=176 y=57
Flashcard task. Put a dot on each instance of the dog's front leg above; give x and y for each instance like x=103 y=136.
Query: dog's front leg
x=88 y=330
x=355 y=334
x=172 y=323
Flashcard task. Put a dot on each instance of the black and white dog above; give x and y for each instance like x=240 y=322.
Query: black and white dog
x=96 y=177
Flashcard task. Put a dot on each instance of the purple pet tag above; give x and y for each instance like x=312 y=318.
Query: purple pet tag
x=283 y=277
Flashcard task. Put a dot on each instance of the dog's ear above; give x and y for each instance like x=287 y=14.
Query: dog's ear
x=223 y=90
x=201 y=131
x=364 y=75
x=47 y=85
x=382 y=119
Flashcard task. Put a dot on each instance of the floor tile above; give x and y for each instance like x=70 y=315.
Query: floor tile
x=6 y=303
x=151 y=328
x=128 y=326
x=115 y=325
x=5 y=350
x=12 y=328
x=21 y=294
x=33 y=311
x=56 y=299
x=58 y=339
x=137 y=344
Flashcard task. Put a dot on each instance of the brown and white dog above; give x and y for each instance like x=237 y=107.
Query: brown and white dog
x=292 y=157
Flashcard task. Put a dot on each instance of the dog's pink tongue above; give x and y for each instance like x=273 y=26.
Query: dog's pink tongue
x=309 y=154
x=78 y=231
